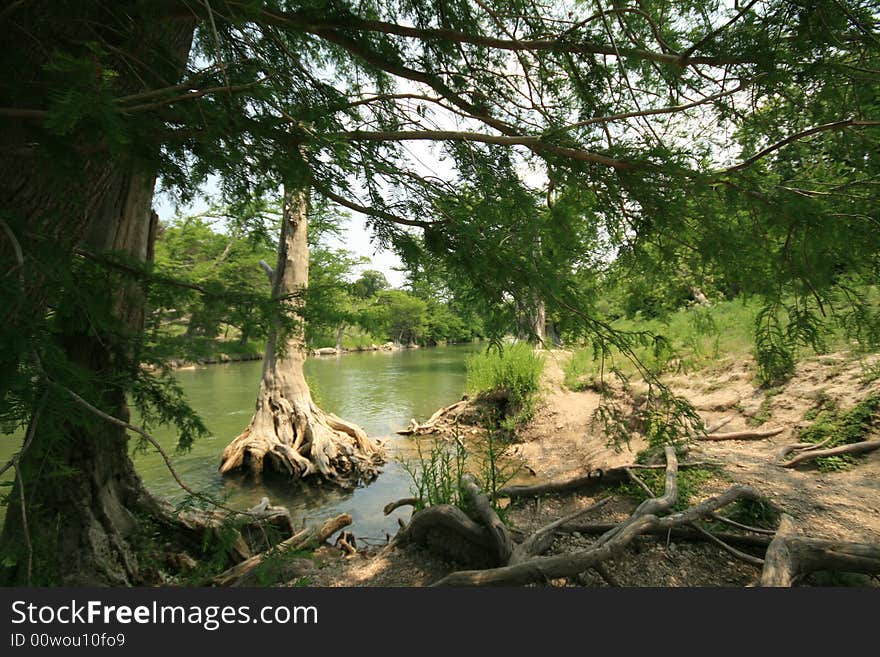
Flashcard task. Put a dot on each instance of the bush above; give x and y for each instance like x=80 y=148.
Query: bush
x=514 y=369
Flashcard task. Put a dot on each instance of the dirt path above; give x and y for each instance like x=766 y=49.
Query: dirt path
x=561 y=441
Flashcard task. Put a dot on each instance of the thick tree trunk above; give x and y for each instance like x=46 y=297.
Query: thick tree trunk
x=539 y=322
x=288 y=432
x=339 y=333
x=81 y=491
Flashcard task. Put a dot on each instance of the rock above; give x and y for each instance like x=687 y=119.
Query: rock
x=325 y=351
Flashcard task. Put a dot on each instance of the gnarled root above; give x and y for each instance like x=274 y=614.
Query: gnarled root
x=518 y=560
x=298 y=439
x=791 y=557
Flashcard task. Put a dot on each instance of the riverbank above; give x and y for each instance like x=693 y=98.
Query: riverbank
x=221 y=352
x=560 y=442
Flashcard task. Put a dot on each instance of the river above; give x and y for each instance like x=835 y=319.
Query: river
x=380 y=391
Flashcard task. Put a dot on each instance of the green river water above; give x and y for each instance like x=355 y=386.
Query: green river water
x=380 y=391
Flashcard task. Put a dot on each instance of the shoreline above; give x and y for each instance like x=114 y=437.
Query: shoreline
x=321 y=352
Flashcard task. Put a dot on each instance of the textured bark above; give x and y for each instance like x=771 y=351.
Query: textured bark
x=82 y=491
x=288 y=433
x=791 y=557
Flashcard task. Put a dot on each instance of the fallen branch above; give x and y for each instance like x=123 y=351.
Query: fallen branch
x=743 y=435
x=804 y=447
x=723 y=422
x=852 y=448
x=416 y=428
x=306 y=539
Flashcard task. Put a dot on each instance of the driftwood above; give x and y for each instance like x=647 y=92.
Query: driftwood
x=743 y=435
x=194 y=527
x=852 y=448
x=429 y=426
x=790 y=557
x=306 y=539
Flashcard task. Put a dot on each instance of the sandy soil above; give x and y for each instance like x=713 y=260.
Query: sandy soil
x=561 y=441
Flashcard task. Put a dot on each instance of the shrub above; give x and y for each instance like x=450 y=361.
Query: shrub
x=515 y=369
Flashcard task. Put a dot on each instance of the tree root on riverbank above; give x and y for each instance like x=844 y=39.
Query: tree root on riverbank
x=520 y=562
x=811 y=452
x=298 y=439
x=790 y=557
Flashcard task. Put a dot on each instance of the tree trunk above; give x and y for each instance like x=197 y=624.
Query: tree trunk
x=81 y=491
x=539 y=322
x=288 y=432
x=339 y=333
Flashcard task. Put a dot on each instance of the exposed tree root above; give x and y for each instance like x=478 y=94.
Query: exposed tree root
x=743 y=435
x=298 y=439
x=306 y=539
x=723 y=422
x=790 y=557
x=676 y=533
x=852 y=448
x=804 y=447
x=593 y=480
x=523 y=561
x=193 y=528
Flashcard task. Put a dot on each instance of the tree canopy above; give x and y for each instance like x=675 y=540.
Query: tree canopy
x=532 y=150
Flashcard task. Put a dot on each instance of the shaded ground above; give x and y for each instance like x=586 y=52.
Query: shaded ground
x=561 y=442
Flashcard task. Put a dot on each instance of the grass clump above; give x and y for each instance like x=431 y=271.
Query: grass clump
x=689 y=482
x=436 y=474
x=842 y=428
x=512 y=375
x=754 y=513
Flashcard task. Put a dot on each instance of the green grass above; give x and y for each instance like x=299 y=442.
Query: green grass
x=696 y=339
x=689 y=482
x=843 y=428
x=514 y=370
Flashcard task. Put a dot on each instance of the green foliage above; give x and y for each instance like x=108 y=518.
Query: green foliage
x=437 y=474
x=842 y=428
x=755 y=513
x=514 y=370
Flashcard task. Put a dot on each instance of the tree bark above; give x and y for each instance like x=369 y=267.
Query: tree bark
x=288 y=433
x=81 y=491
